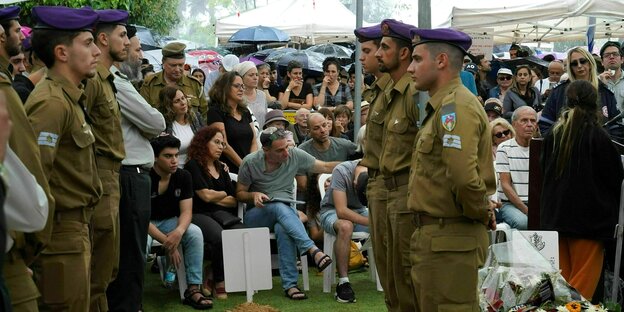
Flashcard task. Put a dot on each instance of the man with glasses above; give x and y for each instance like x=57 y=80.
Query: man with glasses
x=512 y=165
x=173 y=61
x=612 y=76
x=504 y=78
x=265 y=182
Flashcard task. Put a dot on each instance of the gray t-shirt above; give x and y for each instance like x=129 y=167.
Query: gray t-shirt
x=339 y=150
x=278 y=183
x=342 y=180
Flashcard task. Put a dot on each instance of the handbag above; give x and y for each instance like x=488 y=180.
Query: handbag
x=225 y=218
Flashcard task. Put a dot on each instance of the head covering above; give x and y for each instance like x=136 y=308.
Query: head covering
x=10 y=13
x=471 y=67
x=364 y=34
x=395 y=29
x=504 y=71
x=364 y=104
x=26 y=43
x=494 y=105
x=275 y=115
x=174 y=50
x=119 y=17
x=445 y=35
x=229 y=61
x=64 y=18
x=244 y=67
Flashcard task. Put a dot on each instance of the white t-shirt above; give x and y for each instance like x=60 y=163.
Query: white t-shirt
x=185 y=134
x=513 y=158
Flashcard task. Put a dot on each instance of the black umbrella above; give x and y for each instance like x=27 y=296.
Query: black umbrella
x=309 y=60
x=330 y=49
x=531 y=61
x=259 y=34
x=274 y=54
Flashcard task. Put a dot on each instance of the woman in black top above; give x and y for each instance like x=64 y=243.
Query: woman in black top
x=231 y=116
x=214 y=204
x=296 y=93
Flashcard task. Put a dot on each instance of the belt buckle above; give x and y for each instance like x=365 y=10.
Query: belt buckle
x=416 y=220
x=138 y=169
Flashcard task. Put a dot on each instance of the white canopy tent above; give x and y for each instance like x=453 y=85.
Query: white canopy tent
x=311 y=21
x=543 y=20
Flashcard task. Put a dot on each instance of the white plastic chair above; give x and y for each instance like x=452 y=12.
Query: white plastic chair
x=181 y=270
x=329 y=275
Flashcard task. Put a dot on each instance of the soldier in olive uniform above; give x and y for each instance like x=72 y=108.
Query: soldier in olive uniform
x=452 y=175
x=173 y=75
x=104 y=113
x=397 y=113
x=13 y=44
x=56 y=108
x=370 y=38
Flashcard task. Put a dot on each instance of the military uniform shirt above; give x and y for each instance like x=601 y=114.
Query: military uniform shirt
x=452 y=168
x=191 y=87
x=4 y=67
x=374 y=126
x=104 y=114
x=66 y=142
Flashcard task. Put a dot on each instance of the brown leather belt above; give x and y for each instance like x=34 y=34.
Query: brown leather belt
x=423 y=219
x=397 y=180
x=82 y=215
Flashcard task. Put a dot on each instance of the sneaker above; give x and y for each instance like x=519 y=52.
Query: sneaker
x=344 y=293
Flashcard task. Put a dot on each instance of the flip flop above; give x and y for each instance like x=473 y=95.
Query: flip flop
x=295 y=295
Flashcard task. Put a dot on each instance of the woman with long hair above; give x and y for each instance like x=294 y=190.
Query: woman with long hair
x=214 y=201
x=229 y=113
x=181 y=122
x=580 y=65
x=521 y=93
x=332 y=128
x=296 y=94
x=332 y=92
x=582 y=174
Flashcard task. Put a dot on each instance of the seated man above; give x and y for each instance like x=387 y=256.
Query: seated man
x=512 y=165
x=342 y=213
x=172 y=211
x=322 y=146
x=265 y=180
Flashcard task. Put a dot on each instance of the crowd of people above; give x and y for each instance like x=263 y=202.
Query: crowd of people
x=98 y=153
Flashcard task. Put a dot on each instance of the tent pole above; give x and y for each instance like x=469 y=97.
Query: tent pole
x=424 y=21
x=357 y=102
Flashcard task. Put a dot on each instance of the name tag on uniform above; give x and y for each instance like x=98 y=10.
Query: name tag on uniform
x=452 y=141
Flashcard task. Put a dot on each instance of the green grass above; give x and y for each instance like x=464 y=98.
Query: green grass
x=157 y=298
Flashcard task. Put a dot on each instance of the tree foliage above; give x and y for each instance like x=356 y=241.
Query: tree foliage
x=159 y=15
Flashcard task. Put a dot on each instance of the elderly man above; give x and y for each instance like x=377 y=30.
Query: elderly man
x=173 y=75
x=301 y=125
x=611 y=54
x=512 y=165
x=265 y=182
x=555 y=70
x=322 y=146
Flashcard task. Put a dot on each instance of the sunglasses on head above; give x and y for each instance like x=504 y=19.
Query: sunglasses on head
x=581 y=61
x=502 y=134
x=504 y=77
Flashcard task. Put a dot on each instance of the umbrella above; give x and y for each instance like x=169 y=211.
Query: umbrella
x=532 y=61
x=311 y=61
x=274 y=55
x=331 y=49
x=208 y=60
x=259 y=34
x=252 y=59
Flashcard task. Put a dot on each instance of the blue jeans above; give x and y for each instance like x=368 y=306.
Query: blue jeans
x=513 y=216
x=290 y=235
x=192 y=246
x=329 y=217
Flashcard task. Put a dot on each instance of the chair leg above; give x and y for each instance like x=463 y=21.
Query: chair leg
x=304 y=272
x=329 y=275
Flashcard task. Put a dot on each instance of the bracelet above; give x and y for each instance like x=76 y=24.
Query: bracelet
x=287 y=90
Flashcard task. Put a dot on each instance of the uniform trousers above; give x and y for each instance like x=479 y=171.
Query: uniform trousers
x=445 y=260
x=377 y=196
x=105 y=238
x=125 y=293
x=580 y=261
x=22 y=289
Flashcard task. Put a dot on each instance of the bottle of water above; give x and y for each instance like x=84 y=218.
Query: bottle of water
x=170 y=276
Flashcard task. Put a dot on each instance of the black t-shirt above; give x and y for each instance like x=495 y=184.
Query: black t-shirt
x=167 y=204
x=239 y=133
x=306 y=89
x=202 y=180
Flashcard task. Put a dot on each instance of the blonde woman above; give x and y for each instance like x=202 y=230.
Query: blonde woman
x=501 y=132
x=580 y=66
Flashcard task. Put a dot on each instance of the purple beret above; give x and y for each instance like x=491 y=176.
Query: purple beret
x=10 y=13
x=444 y=35
x=364 y=34
x=64 y=18
x=396 y=29
x=26 y=43
x=119 y=17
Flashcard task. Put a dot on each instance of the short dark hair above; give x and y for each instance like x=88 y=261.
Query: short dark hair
x=292 y=65
x=104 y=28
x=515 y=47
x=610 y=44
x=548 y=58
x=271 y=134
x=164 y=141
x=44 y=41
x=329 y=61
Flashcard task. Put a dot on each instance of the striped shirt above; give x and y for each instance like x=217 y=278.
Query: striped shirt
x=513 y=158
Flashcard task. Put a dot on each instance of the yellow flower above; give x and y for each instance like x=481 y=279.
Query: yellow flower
x=573 y=306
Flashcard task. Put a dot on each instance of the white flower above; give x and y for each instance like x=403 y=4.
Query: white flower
x=540 y=310
x=600 y=309
x=562 y=309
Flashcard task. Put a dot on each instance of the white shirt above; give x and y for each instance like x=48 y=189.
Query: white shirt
x=185 y=134
x=514 y=159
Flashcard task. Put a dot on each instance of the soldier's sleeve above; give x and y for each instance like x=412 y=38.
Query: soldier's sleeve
x=145 y=92
x=49 y=118
x=460 y=129
x=412 y=111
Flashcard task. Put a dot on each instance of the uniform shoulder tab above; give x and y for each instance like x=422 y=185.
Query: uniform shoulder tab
x=149 y=79
x=4 y=79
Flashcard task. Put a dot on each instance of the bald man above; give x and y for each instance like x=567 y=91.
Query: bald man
x=555 y=70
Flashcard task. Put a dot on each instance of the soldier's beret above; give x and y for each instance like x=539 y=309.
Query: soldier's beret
x=445 y=35
x=364 y=34
x=396 y=29
x=119 y=17
x=174 y=50
x=10 y=13
x=64 y=18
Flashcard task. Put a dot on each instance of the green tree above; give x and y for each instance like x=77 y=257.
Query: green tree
x=159 y=15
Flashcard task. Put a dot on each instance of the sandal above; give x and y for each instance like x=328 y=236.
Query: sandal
x=207 y=288
x=323 y=262
x=295 y=295
x=202 y=303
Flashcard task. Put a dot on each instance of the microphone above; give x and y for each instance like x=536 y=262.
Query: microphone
x=614 y=120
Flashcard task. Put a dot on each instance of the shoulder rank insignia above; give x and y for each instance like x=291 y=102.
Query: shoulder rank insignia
x=448 y=121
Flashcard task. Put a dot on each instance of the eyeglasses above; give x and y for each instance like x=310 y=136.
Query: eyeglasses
x=219 y=143
x=502 y=134
x=579 y=62
x=504 y=77
x=239 y=86
x=611 y=54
